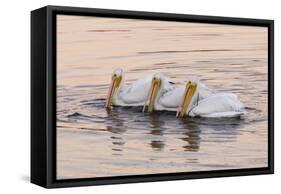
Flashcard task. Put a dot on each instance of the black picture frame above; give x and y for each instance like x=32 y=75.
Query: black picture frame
x=43 y=96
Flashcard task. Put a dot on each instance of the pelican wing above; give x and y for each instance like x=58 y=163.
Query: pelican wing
x=218 y=105
x=172 y=98
x=137 y=92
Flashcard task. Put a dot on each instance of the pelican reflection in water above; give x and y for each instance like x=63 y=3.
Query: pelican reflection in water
x=156 y=127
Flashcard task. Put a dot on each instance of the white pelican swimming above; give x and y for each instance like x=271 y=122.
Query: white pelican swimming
x=215 y=105
x=169 y=98
x=133 y=95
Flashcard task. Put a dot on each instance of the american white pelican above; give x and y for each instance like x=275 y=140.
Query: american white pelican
x=133 y=95
x=163 y=95
x=215 y=105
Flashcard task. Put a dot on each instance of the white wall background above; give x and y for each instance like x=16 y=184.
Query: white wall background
x=15 y=94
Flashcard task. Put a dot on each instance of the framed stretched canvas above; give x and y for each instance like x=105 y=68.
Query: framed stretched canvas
x=126 y=96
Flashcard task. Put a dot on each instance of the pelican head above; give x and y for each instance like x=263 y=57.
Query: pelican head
x=189 y=97
x=156 y=84
x=115 y=85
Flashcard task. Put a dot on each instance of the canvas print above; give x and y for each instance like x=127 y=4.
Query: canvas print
x=138 y=97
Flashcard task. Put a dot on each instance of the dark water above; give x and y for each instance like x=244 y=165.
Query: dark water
x=93 y=142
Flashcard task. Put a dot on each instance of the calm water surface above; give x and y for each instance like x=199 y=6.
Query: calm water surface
x=92 y=142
